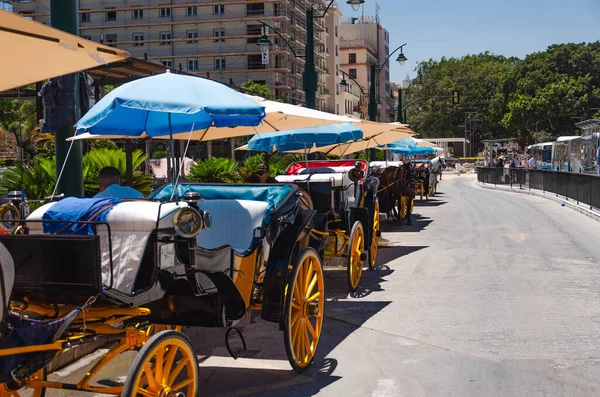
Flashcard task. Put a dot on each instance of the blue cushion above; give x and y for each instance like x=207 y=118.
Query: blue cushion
x=274 y=195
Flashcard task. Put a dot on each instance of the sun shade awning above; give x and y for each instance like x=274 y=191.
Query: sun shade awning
x=34 y=52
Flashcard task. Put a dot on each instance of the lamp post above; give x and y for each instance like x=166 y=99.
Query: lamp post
x=309 y=76
x=400 y=117
x=372 y=95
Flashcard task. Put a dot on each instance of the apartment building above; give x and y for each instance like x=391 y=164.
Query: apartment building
x=364 y=42
x=215 y=38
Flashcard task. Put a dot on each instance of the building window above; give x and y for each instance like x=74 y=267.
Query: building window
x=111 y=15
x=111 y=38
x=193 y=65
x=165 y=12
x=137 y=13
x=351 y=57
x=277 y=9
x=191 y=34
x=255 y=9
x=84 y=17
x=253 y=30
x=336 y=31
x=218 y=10
x=337 y=50
x=255 y=62
x=165 y=38
x=138 y=39
x=191 y=11
x=168 y=63
x=219 y=34
x=220 y=63
x=86 y=36
x=352 y=73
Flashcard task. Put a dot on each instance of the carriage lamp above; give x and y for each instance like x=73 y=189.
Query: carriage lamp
x=188 y=222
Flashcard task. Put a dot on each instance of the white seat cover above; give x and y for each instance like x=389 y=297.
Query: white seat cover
x=130 y=224
x=339 y=179
x=233 y=223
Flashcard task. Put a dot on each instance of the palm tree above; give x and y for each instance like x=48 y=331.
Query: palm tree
x=96 y=159
x=215 y=170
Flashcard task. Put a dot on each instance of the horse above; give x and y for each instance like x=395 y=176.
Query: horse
x=394 y=185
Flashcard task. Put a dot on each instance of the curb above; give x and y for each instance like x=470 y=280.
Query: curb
x=570 y=204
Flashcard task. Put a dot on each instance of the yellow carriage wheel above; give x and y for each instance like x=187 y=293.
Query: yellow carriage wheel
x=356 y=250
x=165 y=367
x=304 y=309
x=374 y=247
x=404 y=206
x=156 y=328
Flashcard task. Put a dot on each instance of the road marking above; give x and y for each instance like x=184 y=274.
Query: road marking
x=385 y=388
x=81 y=363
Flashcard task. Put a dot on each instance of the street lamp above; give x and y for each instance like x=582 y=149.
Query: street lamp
x=355 y=4
x=309 y=76
x=372 y=95
x=419 y=83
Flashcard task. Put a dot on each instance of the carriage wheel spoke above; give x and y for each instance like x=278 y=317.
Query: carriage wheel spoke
x=150 y=378
x=307 y=348
x=314 y=296
x=144 y=392
x=313 y=282
x=311 y=329
x=180 y=365
x=182 y=384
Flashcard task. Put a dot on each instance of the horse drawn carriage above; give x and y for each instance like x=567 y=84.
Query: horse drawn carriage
x=347 y=221
x=110 y=268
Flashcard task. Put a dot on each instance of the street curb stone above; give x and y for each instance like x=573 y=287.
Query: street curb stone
x=570 y=204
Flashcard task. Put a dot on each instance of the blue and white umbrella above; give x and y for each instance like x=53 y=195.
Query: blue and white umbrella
x=412 y=151
x=168 y=104
x=305 y=138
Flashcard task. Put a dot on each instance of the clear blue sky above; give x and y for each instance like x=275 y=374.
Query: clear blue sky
x=438 y=28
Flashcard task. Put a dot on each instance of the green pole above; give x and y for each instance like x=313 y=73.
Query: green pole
x=399 y=117
x=63 y=16
x=373 y=104
x=309 y=77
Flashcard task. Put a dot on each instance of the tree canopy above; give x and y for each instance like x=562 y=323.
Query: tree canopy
x=544 y=94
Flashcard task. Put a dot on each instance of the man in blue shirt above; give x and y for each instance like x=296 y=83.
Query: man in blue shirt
x=109 y=180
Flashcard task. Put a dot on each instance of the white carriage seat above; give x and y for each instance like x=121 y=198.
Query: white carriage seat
x=233 y=223
x=131 y=224
x=339 y=179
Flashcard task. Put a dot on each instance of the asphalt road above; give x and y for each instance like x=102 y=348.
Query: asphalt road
x=487 y=294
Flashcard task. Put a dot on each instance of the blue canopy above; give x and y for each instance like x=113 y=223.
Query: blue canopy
x=412 y=151
x=305 y=137
x=169 y=102
x=404 y=142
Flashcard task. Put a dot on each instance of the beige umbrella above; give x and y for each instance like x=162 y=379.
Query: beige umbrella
x=34 y=52
x=379 y=134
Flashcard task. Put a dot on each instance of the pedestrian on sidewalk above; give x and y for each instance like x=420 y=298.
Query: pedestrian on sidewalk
x=531 y=162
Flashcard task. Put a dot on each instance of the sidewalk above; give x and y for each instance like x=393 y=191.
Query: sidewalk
x=582 y=209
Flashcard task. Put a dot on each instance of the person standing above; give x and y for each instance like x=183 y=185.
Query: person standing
x=598 y=158
x=531 y=162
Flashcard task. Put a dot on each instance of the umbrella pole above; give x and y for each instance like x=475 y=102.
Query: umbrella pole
x=172 y=146
x=305 y=156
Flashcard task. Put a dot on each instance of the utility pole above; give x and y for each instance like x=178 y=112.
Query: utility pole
x=64 y=16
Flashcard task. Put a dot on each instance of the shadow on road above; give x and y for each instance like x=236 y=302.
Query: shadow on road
x=389 y=254
x=430 y=203
x=418 y=223
x=267 y=373
x=371 y=280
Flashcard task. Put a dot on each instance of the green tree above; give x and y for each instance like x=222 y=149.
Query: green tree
x=482 y=81
x=215 y=170
x=551 y=90
x=37 y=178
x=261 y=90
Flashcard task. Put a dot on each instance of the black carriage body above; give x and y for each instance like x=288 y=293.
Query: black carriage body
x=66 y=269
x=226 y=304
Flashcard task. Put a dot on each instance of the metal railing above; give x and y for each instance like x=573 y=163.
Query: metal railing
x=581 y=188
